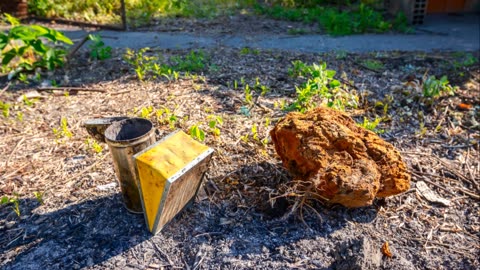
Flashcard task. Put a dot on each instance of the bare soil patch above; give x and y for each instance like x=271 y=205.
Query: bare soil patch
x=241 y=218
x=238 y=24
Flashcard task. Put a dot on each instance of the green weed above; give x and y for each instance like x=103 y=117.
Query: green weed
x=359 y=18
x=155 y=66
x=98 y=50
x=145 y=112
x=193 y=62
x=5 y=200
x=63 y=131
x=165 y=116
x=320 y=84
x=373 y=64
x=214 y=121
x=20 y=116
x=464 y=60
x=291 y=12
x=197 y=133
x=39 y=196
x=248 y=95
x=94 y=145
x=5 y=107
x=254 y=134
x=400 y=23
x=248 y=50
x=372 y=125
x=433 y=87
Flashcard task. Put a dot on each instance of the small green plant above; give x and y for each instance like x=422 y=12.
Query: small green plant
x=98 y=50
x=165 y=116
x=13 y=201
x=5 y=107
x=94 y=145
x=26 y=48
x=63 y=131
x=254 y=131
x=146 y=112
x=320 y=84
x=197 y=133
x=299 y=69
x=39 y=196
x=248 y=95
x=372 y=125
x=400 y=23
x=28 y=102
x=254 y=134
x=20 y=116
x=433 y=87
x=259 y=87
x=373 y=64
x=248 y=50
x=155 y=66
x=214 y=121
x=193 y=62
x=464 y=60
x=244 y=138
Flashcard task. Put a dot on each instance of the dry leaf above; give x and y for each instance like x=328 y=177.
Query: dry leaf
x=386 y=250
x=464 y=106
x=429 y=195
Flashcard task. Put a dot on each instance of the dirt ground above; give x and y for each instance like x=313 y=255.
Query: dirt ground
x=240 y=24
x=241 y=218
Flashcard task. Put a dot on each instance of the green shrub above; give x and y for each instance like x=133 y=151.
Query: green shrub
x=26 y=48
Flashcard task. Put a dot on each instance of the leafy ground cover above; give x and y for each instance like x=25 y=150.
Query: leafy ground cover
x=138 y=11
x=60 y=206
x=333 y=17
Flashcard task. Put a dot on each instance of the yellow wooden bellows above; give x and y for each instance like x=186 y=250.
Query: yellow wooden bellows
x=170 y=173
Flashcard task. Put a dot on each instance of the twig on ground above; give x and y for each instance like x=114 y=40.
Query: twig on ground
x=5 y=176
x=120 y=92
x=163 y=254
x=447 y=167
x=71 y=89
x=466 y=192
x=87 y=168
x=5 y=88
x=77 y=46
x=425 y=179
x=13 y=151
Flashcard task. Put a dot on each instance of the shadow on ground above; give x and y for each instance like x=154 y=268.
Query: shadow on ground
x=77 y=236
x=92 y=232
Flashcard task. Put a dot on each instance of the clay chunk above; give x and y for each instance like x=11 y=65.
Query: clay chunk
x=346 y=163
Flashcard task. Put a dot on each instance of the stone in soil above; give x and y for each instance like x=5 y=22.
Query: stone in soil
x=344 y=162
x=361 y=254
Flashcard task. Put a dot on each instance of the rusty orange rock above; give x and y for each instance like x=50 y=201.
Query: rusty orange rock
x=346 y=163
